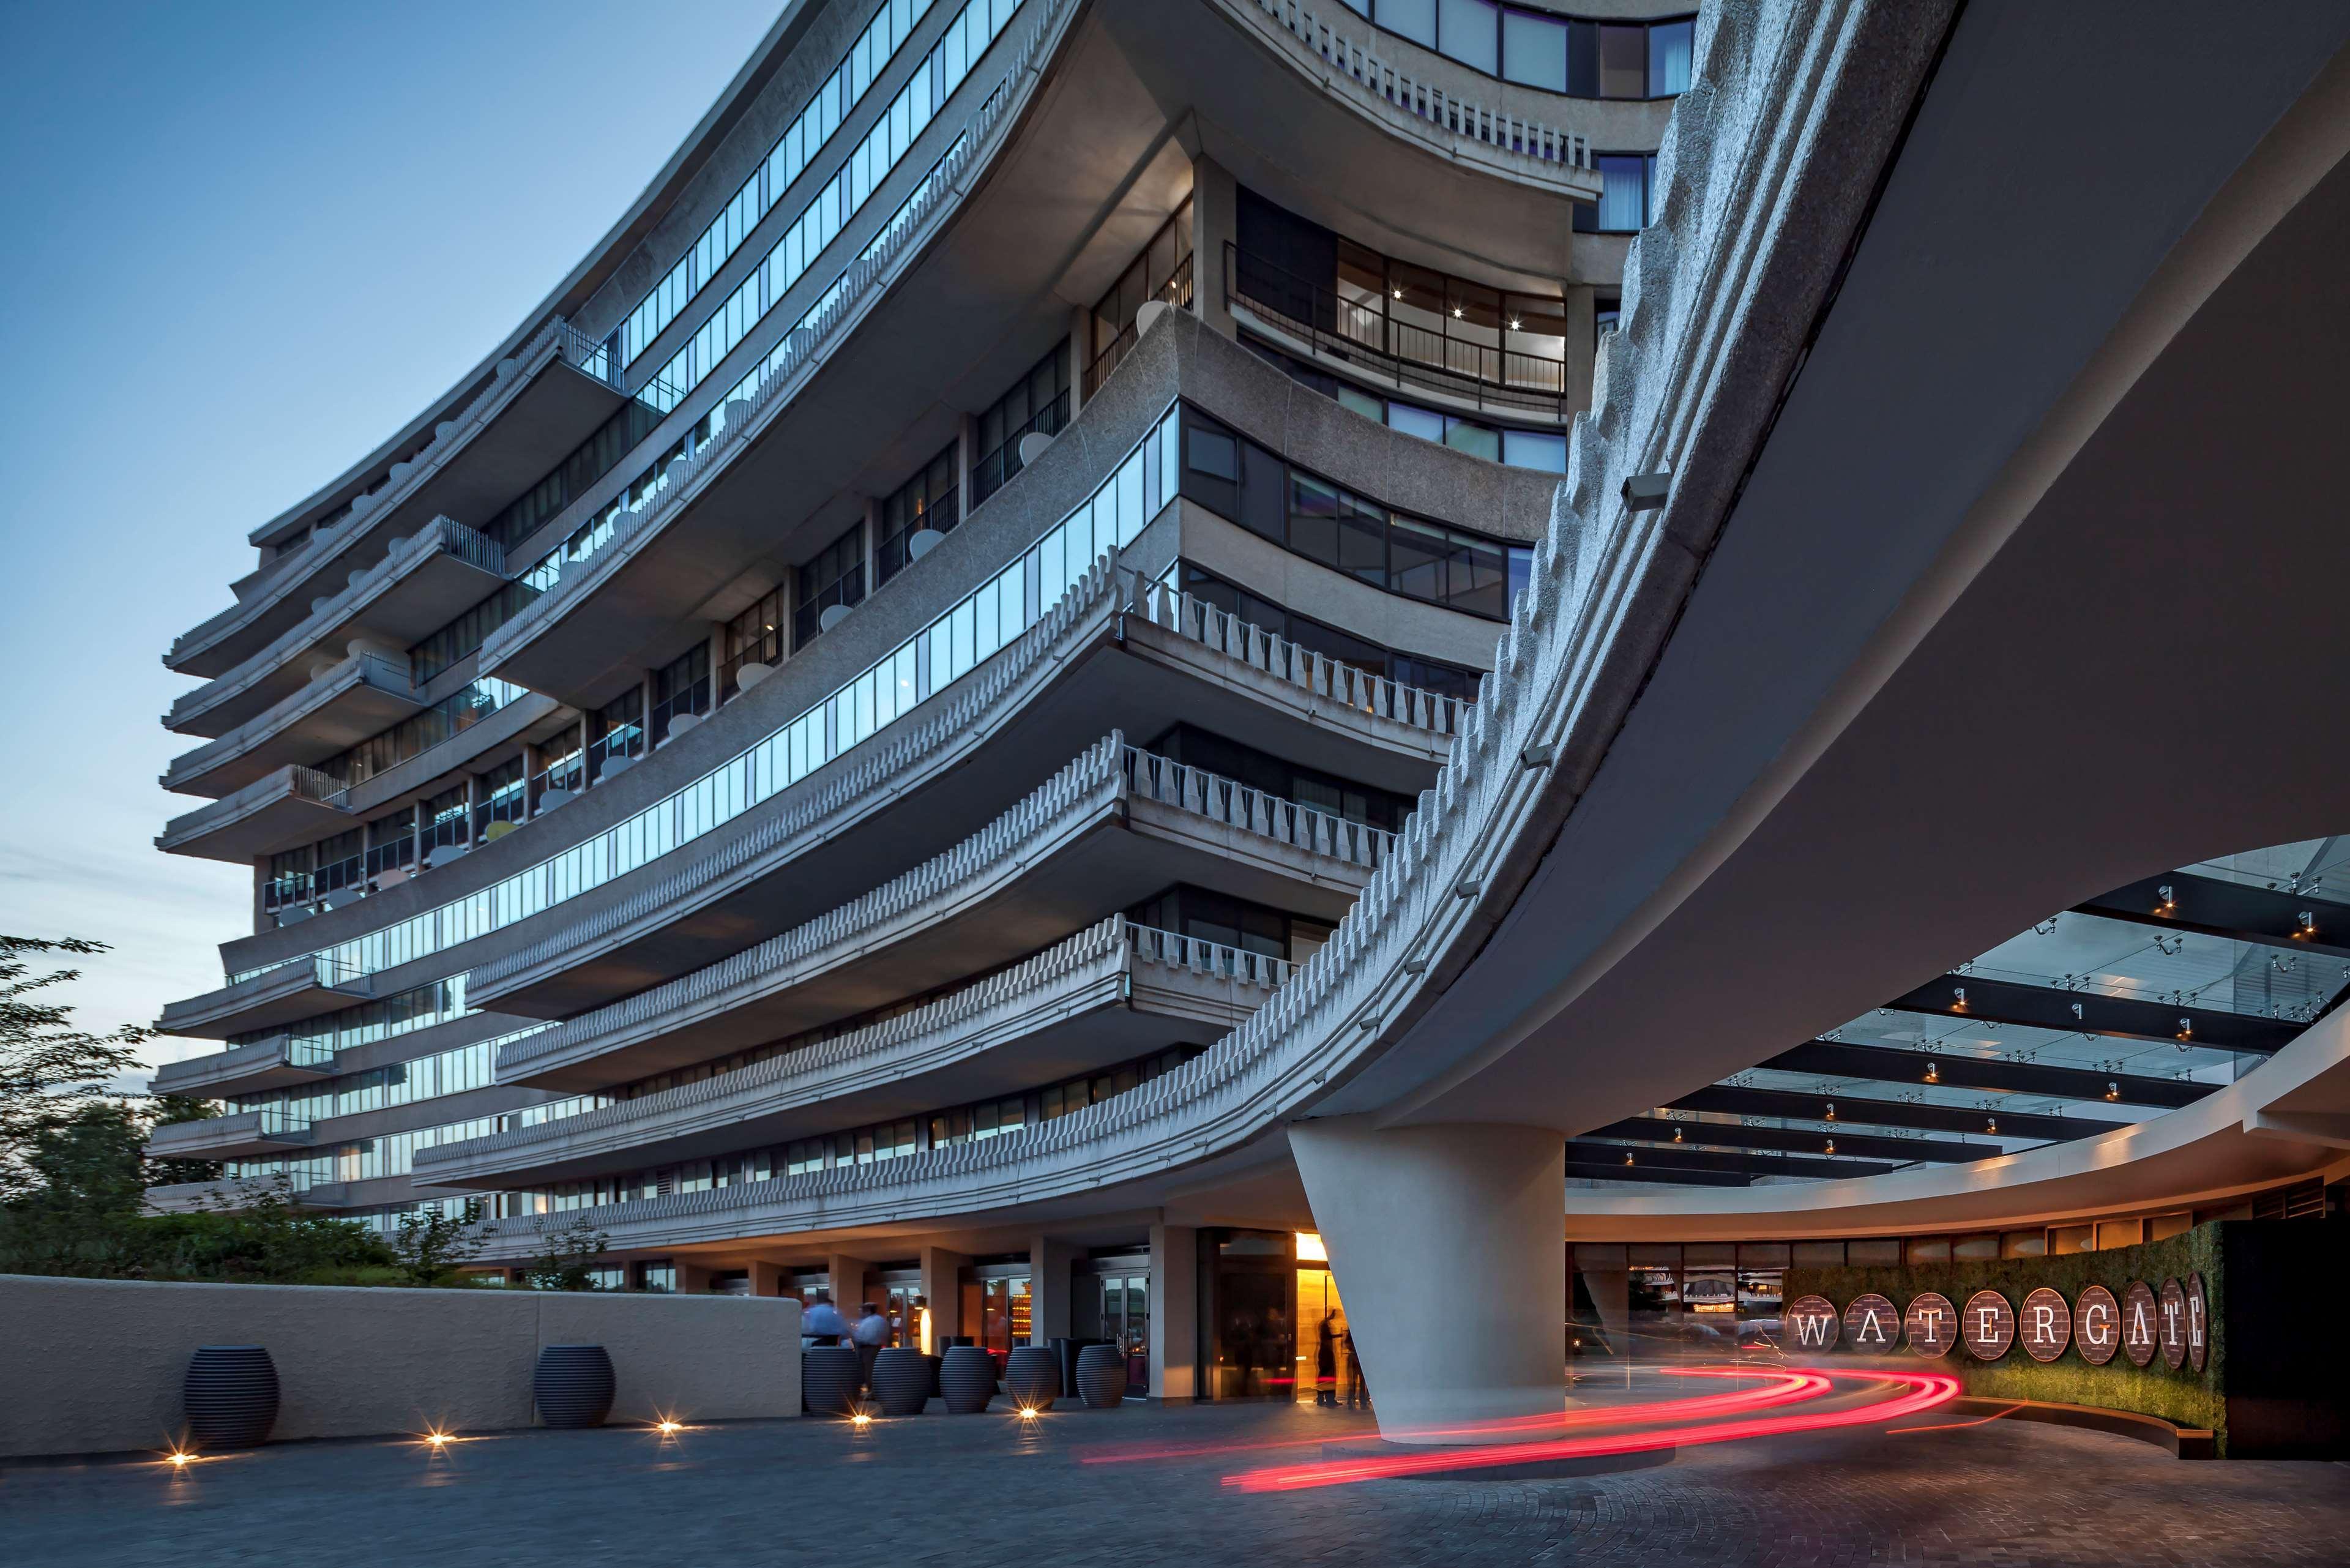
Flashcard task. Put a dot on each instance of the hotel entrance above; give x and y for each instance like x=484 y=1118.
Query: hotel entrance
x=1325 y=1358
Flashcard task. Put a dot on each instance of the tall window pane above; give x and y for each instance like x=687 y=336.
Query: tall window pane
x=1622 y=192
x=1623 y=61
x=1415 y=19
x=1533 y=50
x=1669 y=43
x=1466 y=31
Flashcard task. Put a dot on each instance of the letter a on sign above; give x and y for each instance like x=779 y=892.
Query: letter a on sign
x=2138 y=1321
x=1813 y=1320
x=1870 y=1323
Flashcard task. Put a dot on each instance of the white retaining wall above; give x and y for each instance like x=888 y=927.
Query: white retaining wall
x=96 y=1365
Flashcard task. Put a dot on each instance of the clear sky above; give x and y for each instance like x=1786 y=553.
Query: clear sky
x=244 y=243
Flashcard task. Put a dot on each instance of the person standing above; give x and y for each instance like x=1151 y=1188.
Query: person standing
x=1325 y=1366
x=1355 y=1387
x=872 y=1333
x=821 y=1322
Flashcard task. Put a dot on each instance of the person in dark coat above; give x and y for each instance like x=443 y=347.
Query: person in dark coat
x=1325 y=1366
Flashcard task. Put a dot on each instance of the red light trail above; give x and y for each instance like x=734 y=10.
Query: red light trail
x=1926 y=1390
x=1777 y=1388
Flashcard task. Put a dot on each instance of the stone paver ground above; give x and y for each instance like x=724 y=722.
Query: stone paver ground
x=973 y=1490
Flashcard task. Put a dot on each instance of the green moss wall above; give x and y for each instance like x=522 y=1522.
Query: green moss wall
x=2186 y=1397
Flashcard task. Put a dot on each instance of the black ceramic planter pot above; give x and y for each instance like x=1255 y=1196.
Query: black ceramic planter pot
x=966 y=1379
x=573 y=1386
x=1101 y=1375
x=231 y=1396
x=829 y=1379
x=1031 y=1377
x=901 y=1380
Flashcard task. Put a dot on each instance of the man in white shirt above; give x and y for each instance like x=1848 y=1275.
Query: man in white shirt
x=822 y=1321
x=872 y=1333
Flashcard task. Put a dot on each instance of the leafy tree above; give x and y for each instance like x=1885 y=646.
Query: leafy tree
x=168 y=1110
x=433 y=1243
x=50 y=1072
x=564 y=1260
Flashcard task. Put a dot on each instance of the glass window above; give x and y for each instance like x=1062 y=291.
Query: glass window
x=1413 y=19
x=1623 y=205
x=1425 y=423
x=1623 y=61
x=1533 y=50
x=1467 y=31
x=1532 y=449
x=1670 y=46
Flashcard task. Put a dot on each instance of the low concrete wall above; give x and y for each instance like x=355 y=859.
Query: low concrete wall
x=96 y=1365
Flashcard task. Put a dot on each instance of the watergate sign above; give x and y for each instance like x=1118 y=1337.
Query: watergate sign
x=2172 y=1321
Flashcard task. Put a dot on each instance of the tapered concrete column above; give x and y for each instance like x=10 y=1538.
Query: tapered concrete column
x=1050 y=1289
x=1175 y=1312
x=1449 y=1246
x=942 y=1288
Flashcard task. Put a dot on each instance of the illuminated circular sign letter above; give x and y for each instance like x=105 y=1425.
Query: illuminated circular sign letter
x=1987 y=1326
x=2045 y=1325
x=1871 y=1326
x=2097 y=1325
x=1931 y=1324
x=1812 y=1322
x=2138 y=1320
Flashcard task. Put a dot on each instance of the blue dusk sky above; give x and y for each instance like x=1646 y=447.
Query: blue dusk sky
x=245 y=243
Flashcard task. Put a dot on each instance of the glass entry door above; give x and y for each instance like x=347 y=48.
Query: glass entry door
x=1126 y=1323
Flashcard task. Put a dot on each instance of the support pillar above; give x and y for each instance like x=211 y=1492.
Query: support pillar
x=942 y=1289
x=1175 y=1312
x=1050 y=1288
x=1449 y=1244
x=768 y=1279
x=847 y=1275
x=1215 y=219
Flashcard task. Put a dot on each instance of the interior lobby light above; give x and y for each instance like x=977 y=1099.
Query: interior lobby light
x=1311 y=1248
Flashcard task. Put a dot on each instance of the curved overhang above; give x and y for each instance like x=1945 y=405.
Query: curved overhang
x=2287 y=1121
x=1113 y=827
x=584 y=281
x=1976 y=641
x=539 y=405
x=417 y=588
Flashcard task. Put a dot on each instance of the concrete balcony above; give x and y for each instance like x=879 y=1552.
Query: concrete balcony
x=363 y=695
x=280 y=1061
x=240 y=1193
x=542 y=403
x=1112 y=653
x=309 y=987
x=278 y=811
x=1096 y=999
x=419 y=587
x=241 y=1135
x=1114 y=826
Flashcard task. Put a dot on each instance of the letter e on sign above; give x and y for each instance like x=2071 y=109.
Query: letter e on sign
x=2045 y=1325
x=1987 y=1326
x=1871 y=1325
x=2138 y=1320
x=2097 y=1325
x=1931 y=1324
x=2199 y=1322
x=2173 y=1330
x=1812 y=1322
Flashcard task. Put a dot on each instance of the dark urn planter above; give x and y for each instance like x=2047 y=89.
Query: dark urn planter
x=572 y=1384
x=829 y=1379
x=1101 y=1375
x=967 y=1379
x=231 y=1396
x=1032 y=1377
x=901 y=1380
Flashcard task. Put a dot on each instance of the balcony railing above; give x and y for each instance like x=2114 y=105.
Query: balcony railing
x=1461 y=117
x=1176 y=291
x=1151 y=776
x=1409 y=355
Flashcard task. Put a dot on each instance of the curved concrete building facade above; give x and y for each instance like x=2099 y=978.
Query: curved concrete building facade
x=1113 y=656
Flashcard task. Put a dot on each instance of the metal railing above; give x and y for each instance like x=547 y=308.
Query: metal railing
x=1404 y=352
x=994 y=471
x=1176 y=291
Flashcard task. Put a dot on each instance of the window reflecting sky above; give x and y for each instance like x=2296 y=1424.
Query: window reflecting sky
x=246 y=243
